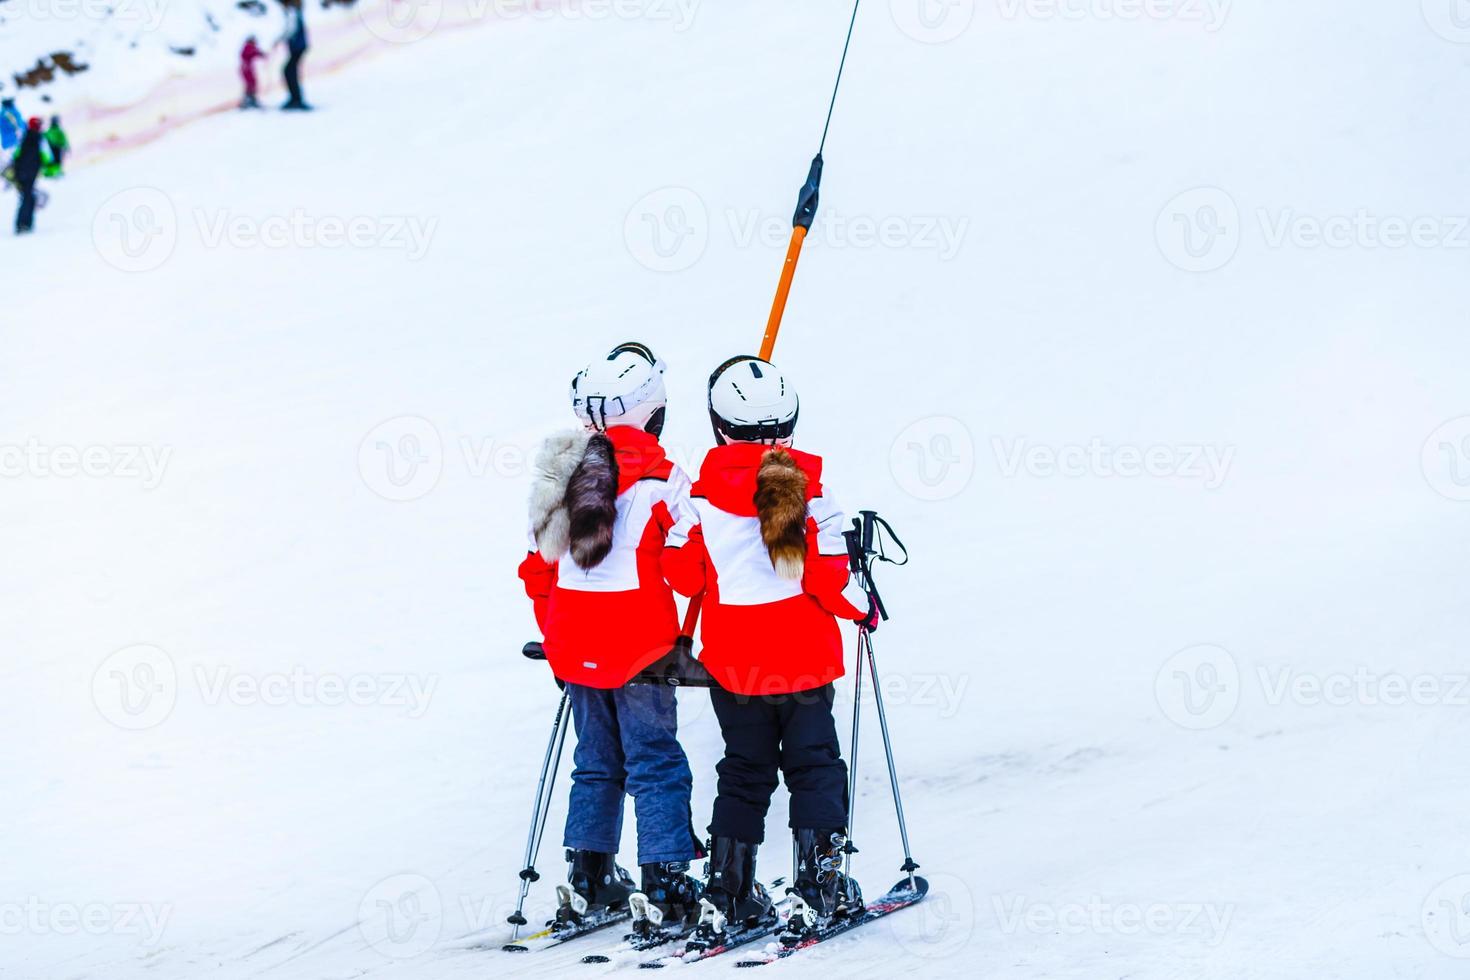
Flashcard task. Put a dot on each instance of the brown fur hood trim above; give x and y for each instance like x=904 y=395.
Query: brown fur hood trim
x=780 y=503
x=592 y=502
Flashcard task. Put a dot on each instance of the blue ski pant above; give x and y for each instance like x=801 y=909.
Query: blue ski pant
x=628 y=743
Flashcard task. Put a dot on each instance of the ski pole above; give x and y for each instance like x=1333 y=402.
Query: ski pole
x=865 y=640
x=852 y=765
x=539 y=814
x=806 y=209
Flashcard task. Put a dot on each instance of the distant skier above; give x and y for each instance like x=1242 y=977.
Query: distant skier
x=30 y=158
x=249 y=55
x=59 y=147
x=294 y=38
x=12 y=125
x=603 y=501
x=764 y=543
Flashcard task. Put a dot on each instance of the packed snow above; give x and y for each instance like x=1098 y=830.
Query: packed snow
x=1144 y=325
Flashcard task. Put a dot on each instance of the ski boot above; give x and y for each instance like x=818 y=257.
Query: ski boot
x=732 y=896
x=668 y=899
x=594 y=882
x=822 y=892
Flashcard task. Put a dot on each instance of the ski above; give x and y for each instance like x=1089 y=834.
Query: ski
x=650 y=933
x=734 y=939
x=635 y=943
x=585 y=921
x=900 y=896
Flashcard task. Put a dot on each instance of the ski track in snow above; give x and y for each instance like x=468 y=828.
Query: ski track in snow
x=281 y=840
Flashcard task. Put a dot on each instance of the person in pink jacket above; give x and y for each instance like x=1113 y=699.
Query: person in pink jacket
x=249 y=55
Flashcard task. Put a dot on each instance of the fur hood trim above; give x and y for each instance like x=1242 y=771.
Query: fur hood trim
x=780 y=503
x=556 y=460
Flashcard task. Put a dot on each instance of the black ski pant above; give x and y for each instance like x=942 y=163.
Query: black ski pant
x=292 y=72
x=26 y=216
x=792 y=733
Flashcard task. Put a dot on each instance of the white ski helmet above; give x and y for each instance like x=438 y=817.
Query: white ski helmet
x=750 y=401
x=624 y=388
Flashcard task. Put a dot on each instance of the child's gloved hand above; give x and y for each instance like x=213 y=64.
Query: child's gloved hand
x=871 y=620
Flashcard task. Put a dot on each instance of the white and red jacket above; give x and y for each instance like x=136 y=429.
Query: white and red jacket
x=762 y=634
x=603 y=625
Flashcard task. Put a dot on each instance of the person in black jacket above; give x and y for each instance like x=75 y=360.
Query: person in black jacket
x=25 y=167
x=294 y=38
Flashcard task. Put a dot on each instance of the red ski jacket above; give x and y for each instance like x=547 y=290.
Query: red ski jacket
x=604 y=624
x=762 y=634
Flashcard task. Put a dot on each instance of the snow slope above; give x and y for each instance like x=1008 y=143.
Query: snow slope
x=309 y=469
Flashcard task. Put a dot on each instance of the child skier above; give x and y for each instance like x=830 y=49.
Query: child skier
x=249 y=55
x=603 y=501
x=764 y=543
x=58 y=143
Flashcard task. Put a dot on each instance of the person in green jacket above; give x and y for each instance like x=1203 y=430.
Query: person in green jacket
x=59 y=145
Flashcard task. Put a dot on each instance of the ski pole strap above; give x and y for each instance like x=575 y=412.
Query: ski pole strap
x=806 y=200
